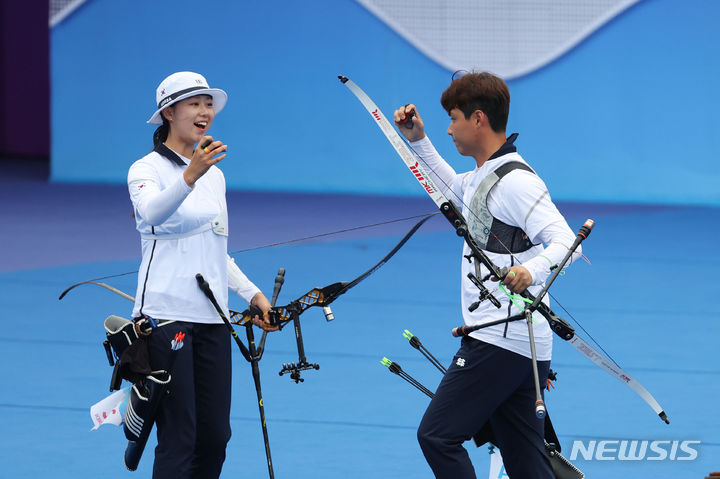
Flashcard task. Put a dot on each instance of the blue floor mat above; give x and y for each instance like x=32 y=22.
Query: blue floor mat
x=653 y=276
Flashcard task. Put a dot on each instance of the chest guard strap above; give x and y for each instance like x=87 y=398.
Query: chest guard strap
x=499 y=236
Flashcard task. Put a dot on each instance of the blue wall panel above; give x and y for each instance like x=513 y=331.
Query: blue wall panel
x=628 y=115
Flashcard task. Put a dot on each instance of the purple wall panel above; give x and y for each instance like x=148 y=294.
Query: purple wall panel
x=25 y=79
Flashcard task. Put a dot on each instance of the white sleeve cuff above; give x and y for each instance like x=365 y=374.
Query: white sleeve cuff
x=539 y=269
x=239 y=283
x=554 y=253
x=442 y=174
x=423 y=146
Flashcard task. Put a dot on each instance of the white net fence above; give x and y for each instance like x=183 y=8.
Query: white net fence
x=507 y=37
x=60 y=9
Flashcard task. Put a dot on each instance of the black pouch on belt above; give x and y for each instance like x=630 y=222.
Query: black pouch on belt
x=130 y=350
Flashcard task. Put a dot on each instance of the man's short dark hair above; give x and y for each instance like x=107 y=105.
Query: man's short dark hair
x=479 y=91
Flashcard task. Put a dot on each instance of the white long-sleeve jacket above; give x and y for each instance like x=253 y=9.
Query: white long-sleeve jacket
x=183 y=232
x=519 y=199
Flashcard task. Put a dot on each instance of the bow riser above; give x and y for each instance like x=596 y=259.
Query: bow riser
x=283 y=314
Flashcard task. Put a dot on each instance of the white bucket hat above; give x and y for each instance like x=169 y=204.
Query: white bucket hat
x=181 y=85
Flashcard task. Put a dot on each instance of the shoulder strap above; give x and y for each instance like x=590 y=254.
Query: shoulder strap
x=481 y=222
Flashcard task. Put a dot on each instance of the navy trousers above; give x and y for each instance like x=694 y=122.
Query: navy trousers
x=193 y=420
x=486 y=383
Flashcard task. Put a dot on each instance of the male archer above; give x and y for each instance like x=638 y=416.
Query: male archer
x=511 y=216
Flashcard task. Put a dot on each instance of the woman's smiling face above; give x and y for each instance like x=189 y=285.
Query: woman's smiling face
x=190 y=119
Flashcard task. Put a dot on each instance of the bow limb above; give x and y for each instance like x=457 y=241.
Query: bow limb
x=453 y=214
x=617 y=372
x=106 y=286
x=324 y=296
x=385 y=259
